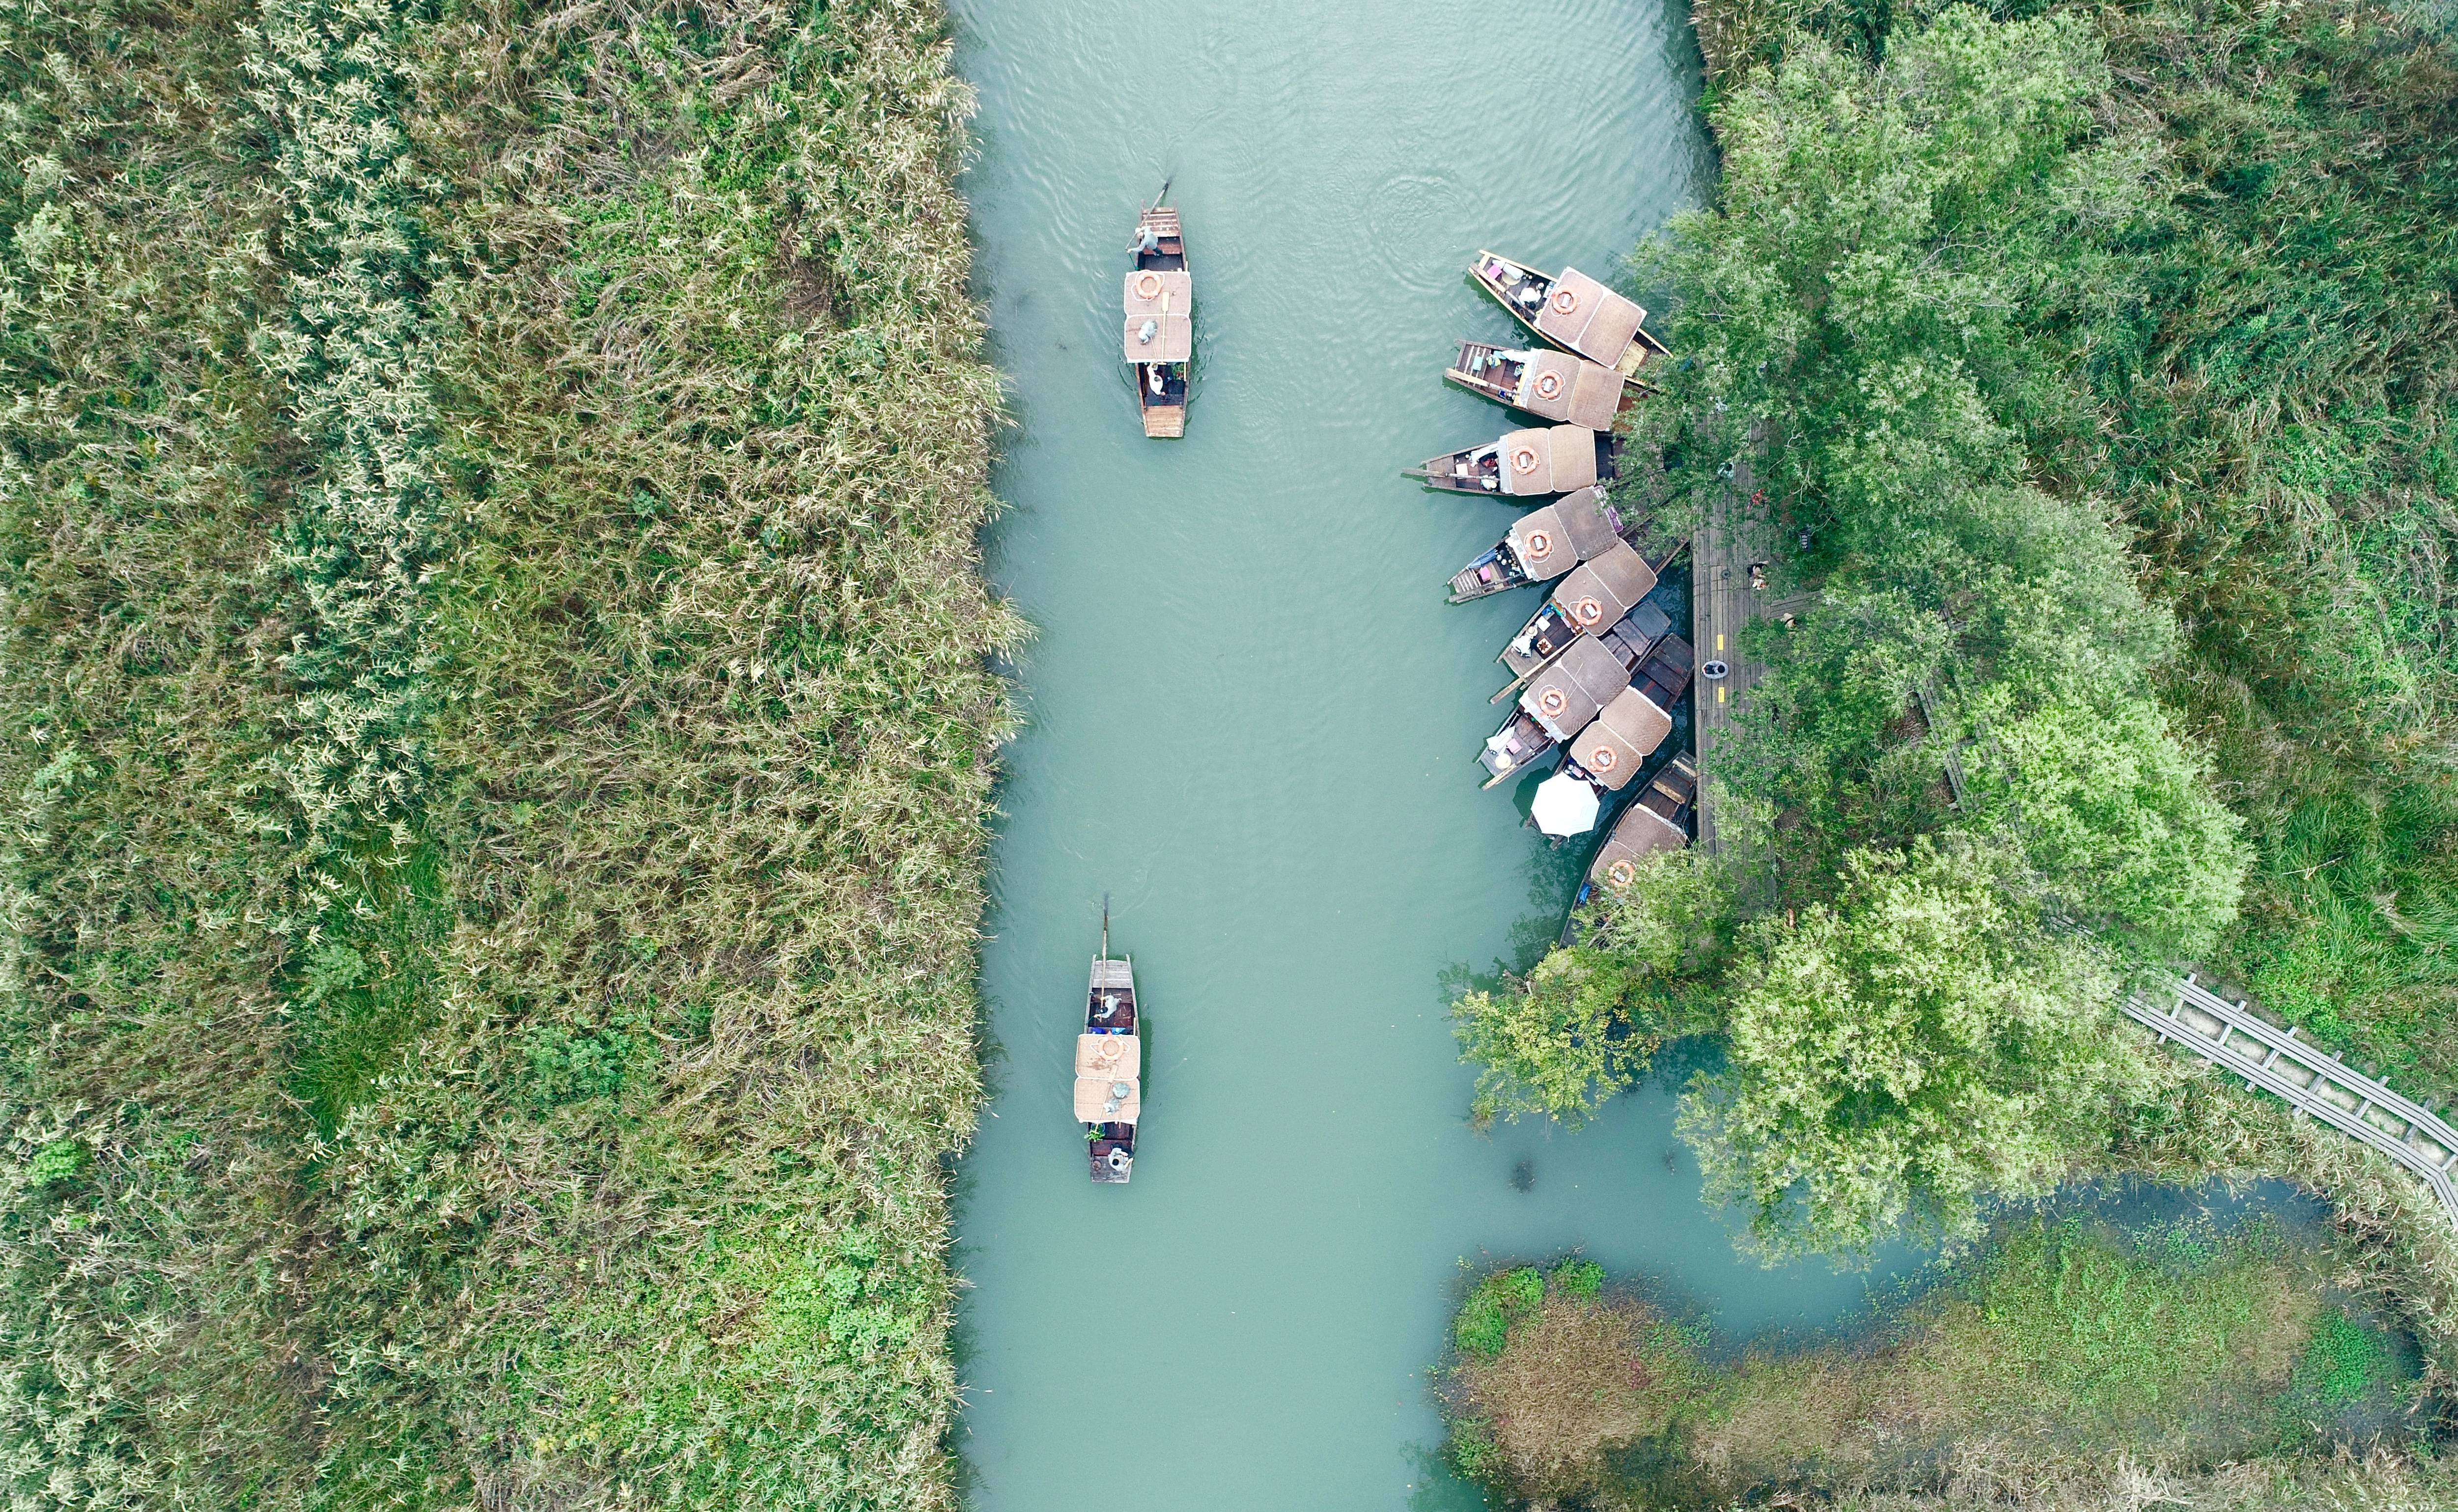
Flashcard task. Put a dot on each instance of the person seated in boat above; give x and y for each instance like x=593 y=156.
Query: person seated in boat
x=1157 y=374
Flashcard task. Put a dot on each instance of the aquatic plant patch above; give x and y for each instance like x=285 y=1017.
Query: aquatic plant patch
x=2063 y=1348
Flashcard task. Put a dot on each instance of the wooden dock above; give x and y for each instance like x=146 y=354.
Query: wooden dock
x=1730 y=558
x=2231 y=1037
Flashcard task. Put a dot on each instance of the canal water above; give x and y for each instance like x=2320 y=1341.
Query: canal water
x=1252 y=722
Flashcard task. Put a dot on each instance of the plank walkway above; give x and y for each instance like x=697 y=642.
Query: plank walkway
x=2310 y=1078
x=1721 y=601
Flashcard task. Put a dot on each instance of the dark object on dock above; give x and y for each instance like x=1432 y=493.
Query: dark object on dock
x=1550 y=384
x=1109 y=1067
x=1574 y=312
x=1544 y=543
x=1596 y=594
x=1161 y=321
x=1554 y=458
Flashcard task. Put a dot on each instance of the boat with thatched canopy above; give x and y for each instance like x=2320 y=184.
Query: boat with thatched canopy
x=1574 y=312
x=1602 y=758
x=1542 y=545
x=1552 y=459
x=1109 y=1067
x=1558 y=702
x=1595 y=595
x=1660 y=821
x=1657 y=821
x=1161 y=321
x=1547 y=383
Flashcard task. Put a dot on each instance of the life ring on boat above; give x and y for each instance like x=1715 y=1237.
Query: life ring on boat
x=1604 y=759
x=1621 y=874
x=1523 y=459
x=1587 y=611
x=1147 y=285
x=1539 y=543
x=1548 y=385
x=1553 y=700
x=1565 y=302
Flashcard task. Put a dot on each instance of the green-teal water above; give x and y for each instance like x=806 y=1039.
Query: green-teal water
x=1253 y=720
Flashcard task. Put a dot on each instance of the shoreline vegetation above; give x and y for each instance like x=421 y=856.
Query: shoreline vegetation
x=498 y=717
x=2092 y=364
x=2172 y=1345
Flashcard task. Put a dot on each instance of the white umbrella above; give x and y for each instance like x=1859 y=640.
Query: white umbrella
x=1565 y=805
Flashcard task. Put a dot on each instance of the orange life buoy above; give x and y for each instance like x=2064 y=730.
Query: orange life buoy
x=1621 y=874
x=1604 y=759
x=1587 y=611
x=1539 y=543
x=1565 y=302
x=1523 y=459
x=1552 y=701
x=1148 y=287
x=1548 y=385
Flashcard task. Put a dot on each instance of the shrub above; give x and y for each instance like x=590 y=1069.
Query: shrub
x=1580 y=1279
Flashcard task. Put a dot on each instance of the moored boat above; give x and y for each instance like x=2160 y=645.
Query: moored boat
x=1543 y=543
x=1594 y=596
x=1558 y=702
x=1551 y=459
x=1602 y=758
x=1573 y=311
x=1633 y=642
x=1109 y=1067
x=1161 y=321
x=1550 y=384
x=1658 y=820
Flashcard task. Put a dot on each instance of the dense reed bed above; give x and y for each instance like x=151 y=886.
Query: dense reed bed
x=498 y=732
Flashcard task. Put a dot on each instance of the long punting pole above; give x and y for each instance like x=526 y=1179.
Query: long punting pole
x=1105 y=926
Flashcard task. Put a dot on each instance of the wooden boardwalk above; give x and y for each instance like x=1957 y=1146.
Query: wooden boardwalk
x=1732 y=551
x=2312 y=1080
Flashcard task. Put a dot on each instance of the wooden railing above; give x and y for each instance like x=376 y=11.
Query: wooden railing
x=2310 y=1078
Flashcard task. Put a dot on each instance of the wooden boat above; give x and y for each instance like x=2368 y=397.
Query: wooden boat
x=1660 y=821
x=1161 y=321
x=1610 y=751
x=1574 y=312
x=1543 y=543
x=1109 y=1067
x=1555 y=459
x=1631 y=642
x=1594 y=597
x=1558 y=703
x=1551 y=384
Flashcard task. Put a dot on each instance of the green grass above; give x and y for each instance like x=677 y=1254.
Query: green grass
x=2058 y=1350
x=1483 y=1326
x=500 y=848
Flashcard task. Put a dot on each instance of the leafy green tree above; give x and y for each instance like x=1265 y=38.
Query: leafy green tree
x=2116 y=819
x=1896 y=1056
x=1584 y=1024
